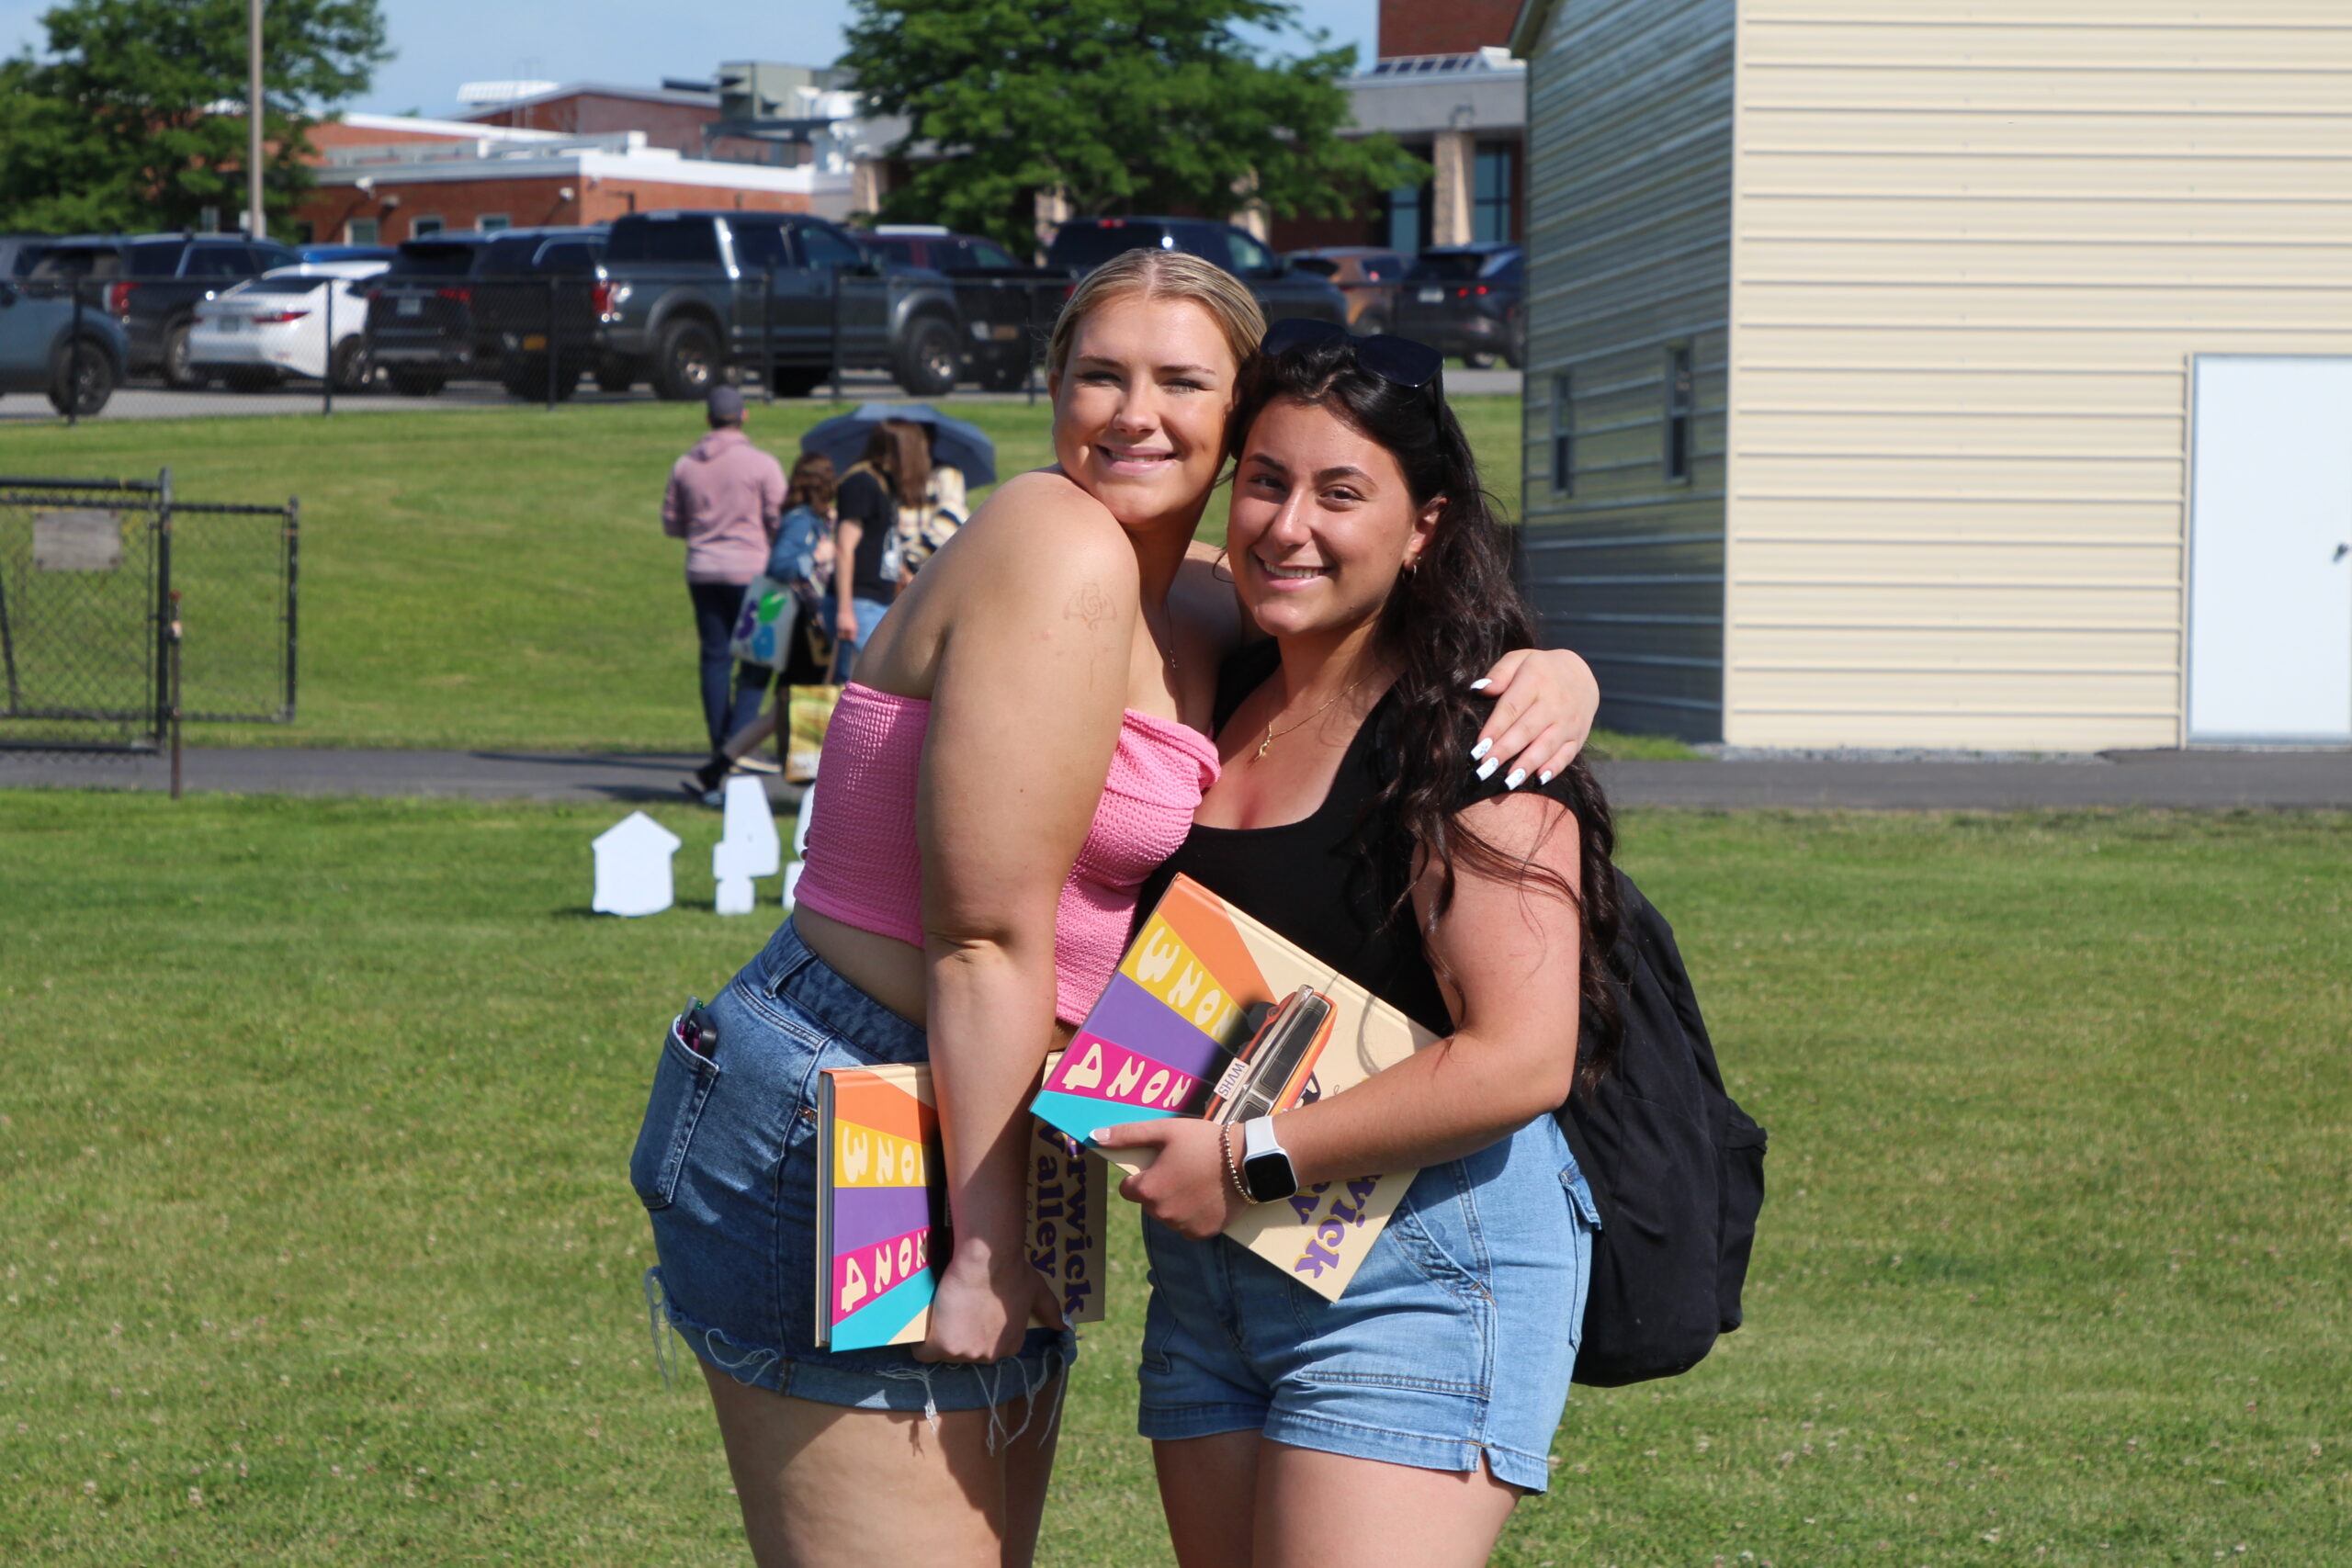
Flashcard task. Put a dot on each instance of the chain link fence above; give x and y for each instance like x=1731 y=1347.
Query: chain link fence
x=126 y=611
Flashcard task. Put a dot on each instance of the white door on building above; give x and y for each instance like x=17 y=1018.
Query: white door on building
x=2270 y=550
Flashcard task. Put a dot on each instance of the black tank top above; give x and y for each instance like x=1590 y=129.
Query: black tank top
x=1314 y=880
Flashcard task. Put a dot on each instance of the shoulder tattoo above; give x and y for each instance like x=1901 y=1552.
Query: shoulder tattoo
x=1089 y=605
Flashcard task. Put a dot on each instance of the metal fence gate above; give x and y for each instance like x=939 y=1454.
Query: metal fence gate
x=126 y=611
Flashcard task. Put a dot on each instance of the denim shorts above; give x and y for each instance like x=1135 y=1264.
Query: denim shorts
x=1453 y=1342
x=726 y=1166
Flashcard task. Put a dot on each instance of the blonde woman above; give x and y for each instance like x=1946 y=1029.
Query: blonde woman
x=1023 y=744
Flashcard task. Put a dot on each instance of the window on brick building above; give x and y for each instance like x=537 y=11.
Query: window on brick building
x=1490 y=191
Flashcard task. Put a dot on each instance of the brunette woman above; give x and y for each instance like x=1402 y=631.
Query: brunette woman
x=894 y=471
x=1023 y=743
x=1398 y=1424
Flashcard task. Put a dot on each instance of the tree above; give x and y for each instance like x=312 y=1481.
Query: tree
x=133 y=117
x=1123 y=106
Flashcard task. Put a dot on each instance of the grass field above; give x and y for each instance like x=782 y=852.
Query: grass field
x=320 y=1248
x=499 y=578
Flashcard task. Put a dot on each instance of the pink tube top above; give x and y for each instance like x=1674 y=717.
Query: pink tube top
x=862 y=867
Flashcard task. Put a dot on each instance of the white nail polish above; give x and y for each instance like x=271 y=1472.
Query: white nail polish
x=1480 y=750
x=1544 y=777
x=1480 y=685
x=1515 y=778
x=1487 y=769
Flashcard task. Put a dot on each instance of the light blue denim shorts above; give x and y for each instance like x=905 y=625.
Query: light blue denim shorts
x=726 y=1165
x=1452 y=1344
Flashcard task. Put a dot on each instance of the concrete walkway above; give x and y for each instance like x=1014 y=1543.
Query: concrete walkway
x=2183 y=779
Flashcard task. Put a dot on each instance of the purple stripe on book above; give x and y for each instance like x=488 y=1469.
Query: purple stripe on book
x=864 y=1215
x=1149 y=1027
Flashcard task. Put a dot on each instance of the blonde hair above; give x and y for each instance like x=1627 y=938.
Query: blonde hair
x=1155 y=273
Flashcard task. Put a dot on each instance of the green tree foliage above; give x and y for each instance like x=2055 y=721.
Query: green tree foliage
x=132 y=117
x=1126 y=105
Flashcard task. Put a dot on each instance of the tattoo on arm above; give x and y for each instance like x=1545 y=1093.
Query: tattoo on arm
x=1089 y=605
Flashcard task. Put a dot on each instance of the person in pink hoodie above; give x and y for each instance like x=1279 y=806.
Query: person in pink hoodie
x=724 y=501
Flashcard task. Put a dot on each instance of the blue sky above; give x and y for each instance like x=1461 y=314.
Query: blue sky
x=442 y=42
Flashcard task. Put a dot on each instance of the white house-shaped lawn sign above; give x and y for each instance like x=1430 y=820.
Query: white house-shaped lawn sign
x=748 y=847
x=633 y=867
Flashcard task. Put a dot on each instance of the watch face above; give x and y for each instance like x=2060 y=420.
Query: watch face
x=1267 y=1177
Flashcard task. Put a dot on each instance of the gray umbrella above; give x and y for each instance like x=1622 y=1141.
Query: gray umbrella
x=955 y=443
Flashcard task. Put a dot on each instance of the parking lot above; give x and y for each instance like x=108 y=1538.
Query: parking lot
x=151 y=399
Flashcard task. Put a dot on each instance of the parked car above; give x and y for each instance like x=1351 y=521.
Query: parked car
x=986 y=278
x=420 y=314
x=1365 y=273
x=151 y=284
x=1465 y=300
x=309 y=320
x=533 y=287
x=20 y=252
x=692 y=298
x=1084 y=244
x=47 y=345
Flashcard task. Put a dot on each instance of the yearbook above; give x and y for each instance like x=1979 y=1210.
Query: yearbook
x=882 y=1232
x=1182 y=1030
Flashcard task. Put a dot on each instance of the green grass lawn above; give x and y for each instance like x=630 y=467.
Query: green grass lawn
x=499 y=578
x=320 y=1249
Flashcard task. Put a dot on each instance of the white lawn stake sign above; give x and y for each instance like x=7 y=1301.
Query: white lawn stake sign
x=633 y=867
x=747 y=847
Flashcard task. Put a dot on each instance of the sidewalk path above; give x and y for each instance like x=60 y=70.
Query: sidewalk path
x=2187 y=780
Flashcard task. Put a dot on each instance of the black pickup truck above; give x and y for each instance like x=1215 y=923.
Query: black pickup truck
x=690 y=298
x=987 y=280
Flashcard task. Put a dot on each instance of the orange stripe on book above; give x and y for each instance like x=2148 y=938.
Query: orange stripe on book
x=873 y=1100
x=1200 y=921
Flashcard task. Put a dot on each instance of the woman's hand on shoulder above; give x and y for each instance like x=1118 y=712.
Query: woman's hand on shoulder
x=1188 y=1186
x=1545 y=699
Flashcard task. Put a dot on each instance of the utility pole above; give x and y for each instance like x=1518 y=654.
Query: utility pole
x=256 y=220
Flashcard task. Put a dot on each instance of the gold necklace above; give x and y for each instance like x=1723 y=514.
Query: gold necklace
x=1272 y=734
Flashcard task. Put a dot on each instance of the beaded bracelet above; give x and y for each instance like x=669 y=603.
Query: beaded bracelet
x=1232 y=1167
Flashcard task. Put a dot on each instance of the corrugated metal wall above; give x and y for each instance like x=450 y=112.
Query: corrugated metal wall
x=1976 y=249
x=1628 y=225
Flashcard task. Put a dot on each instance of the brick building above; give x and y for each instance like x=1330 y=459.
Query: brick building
x=385 y=179
x=1446 y=88
x=685 y=119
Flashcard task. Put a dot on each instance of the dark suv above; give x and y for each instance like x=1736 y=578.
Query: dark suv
x=1464 y=300
x=1084 y=244
x=420 y=313
x=149 y=283
x=534 y=294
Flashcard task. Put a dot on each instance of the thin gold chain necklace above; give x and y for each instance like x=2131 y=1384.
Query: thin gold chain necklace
x=1274 y=735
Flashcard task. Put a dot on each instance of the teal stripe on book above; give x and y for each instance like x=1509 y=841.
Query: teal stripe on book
x=879 y=1320
x=1079 y=1114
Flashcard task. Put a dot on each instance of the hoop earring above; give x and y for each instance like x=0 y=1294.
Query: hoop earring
x=1218 y=565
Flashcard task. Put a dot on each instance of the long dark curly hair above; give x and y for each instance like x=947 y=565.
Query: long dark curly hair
x=1444 y=625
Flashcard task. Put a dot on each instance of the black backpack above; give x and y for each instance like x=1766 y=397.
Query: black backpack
x=1676 y=1169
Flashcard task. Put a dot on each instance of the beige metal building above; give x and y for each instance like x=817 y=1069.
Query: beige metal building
x=1968 y=375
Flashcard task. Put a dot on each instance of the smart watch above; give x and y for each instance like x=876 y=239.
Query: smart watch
x=1266 y=1174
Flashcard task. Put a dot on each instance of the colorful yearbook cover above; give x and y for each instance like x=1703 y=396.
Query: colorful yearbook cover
x=882 y=1213
x=1166 y=1033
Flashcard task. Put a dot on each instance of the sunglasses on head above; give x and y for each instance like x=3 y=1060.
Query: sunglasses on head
x=1399 y=361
